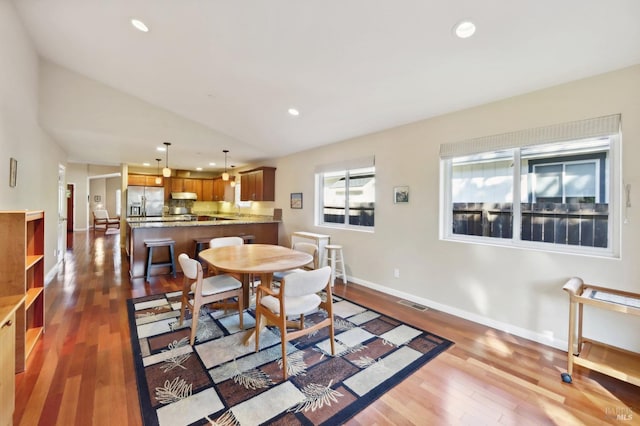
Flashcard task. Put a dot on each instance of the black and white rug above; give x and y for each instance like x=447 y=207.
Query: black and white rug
x=223 y=382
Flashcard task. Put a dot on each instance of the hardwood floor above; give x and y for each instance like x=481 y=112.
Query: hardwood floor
x=82 y=372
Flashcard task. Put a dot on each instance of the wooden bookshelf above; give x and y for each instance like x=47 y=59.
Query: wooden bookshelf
x=23 y=275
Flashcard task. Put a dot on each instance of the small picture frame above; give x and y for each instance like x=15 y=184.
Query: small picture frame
x=13 y=172
x=400 y=194
x=296 y=200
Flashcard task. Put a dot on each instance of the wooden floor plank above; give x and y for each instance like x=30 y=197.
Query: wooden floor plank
x=81 y=372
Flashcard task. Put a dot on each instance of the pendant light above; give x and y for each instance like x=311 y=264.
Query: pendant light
x=166 y=172
x=225 y=175
x=159 y=177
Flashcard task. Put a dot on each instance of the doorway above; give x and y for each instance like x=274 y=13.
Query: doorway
x=71 y=188
x=62 y=217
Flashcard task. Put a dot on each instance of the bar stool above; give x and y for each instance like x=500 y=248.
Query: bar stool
x=152 y=244
x=335 y=259
x=201 y=244
x=247 y=238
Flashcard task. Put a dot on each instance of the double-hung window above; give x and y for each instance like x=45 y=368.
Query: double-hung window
x=550 y=188
x=346 y=194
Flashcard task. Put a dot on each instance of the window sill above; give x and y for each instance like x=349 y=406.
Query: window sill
x=366 y=229
x=535 y=246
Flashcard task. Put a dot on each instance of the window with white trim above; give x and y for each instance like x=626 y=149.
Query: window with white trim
x=564 y=177
x=346 y=194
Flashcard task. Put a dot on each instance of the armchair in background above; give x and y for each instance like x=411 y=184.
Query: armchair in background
x=102 y=221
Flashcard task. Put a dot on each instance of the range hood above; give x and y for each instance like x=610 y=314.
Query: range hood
x=184 y=196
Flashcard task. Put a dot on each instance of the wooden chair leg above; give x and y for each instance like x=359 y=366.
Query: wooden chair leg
x=283 y=334
x=257 y=331
x=332 y=337
x=241 y=309
x=184 y=302
x=194 y=322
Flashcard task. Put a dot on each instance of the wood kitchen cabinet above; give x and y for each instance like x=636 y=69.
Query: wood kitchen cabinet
x=216 y=190
x=22 y=266
x=187 y=185
x=258 y=184
x=193 y=185
x=207 y=190
x=222 y=190
x=177 y=184
x=143 y=180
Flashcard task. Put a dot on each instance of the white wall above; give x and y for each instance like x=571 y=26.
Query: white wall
x=20 y=134
x=514 y=289
x=82 y=176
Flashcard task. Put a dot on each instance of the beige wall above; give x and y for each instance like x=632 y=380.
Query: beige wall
x=20 y=134
x=518 y=290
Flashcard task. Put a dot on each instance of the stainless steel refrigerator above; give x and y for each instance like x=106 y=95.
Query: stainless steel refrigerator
x=145 y=201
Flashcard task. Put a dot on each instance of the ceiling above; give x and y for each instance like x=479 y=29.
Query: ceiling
x=213 y=75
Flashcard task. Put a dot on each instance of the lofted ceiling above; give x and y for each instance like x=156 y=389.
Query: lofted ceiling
x=213 y=75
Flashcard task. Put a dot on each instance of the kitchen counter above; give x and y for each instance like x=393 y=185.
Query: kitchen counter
x=184 y=231
x=196 y=220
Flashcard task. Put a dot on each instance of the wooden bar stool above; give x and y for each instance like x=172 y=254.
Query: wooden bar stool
x=335 y=259
x=155 y=243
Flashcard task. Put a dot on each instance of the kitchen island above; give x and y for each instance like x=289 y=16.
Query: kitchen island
x=185 y=231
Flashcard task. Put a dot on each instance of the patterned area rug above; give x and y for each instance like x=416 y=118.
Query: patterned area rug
x=223 y=382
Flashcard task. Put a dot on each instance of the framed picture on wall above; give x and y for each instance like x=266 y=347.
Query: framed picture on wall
x=13 y=172
x=296 y=200
x=400 y=194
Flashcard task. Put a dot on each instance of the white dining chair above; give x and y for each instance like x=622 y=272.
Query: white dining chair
x=216 y=288
x=308 y=248
x=296 y=297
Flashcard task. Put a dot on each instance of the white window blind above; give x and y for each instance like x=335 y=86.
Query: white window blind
x=351 y=164
x=575 y=130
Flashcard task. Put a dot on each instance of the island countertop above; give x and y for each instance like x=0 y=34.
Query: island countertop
x=263 y=229
x=198 y=220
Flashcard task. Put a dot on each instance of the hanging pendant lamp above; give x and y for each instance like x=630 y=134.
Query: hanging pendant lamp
x=166 y=172
x=159 y=177
x=225 y=175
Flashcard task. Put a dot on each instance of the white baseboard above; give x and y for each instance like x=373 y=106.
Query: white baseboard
x=507 y=328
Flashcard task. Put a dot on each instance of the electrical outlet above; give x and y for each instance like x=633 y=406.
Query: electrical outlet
x=396 y=272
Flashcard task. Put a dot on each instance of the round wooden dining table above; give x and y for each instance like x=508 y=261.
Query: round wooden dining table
x=254 y=259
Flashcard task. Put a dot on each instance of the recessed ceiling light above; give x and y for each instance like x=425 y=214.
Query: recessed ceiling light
x=199 y=169
x=146 y=164
x=294 y=112
x=139 y=25
x=464 y=29
x=161 y=149
x=212 y=164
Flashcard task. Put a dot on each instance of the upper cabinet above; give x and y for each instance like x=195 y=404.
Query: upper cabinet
x=143 y=180
x=193 y=185
x=187 y=185
x=222 y=190
x=207 y=190
x=217 y=190
x=258 y=184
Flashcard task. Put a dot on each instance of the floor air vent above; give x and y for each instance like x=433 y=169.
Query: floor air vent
x=413 y=305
